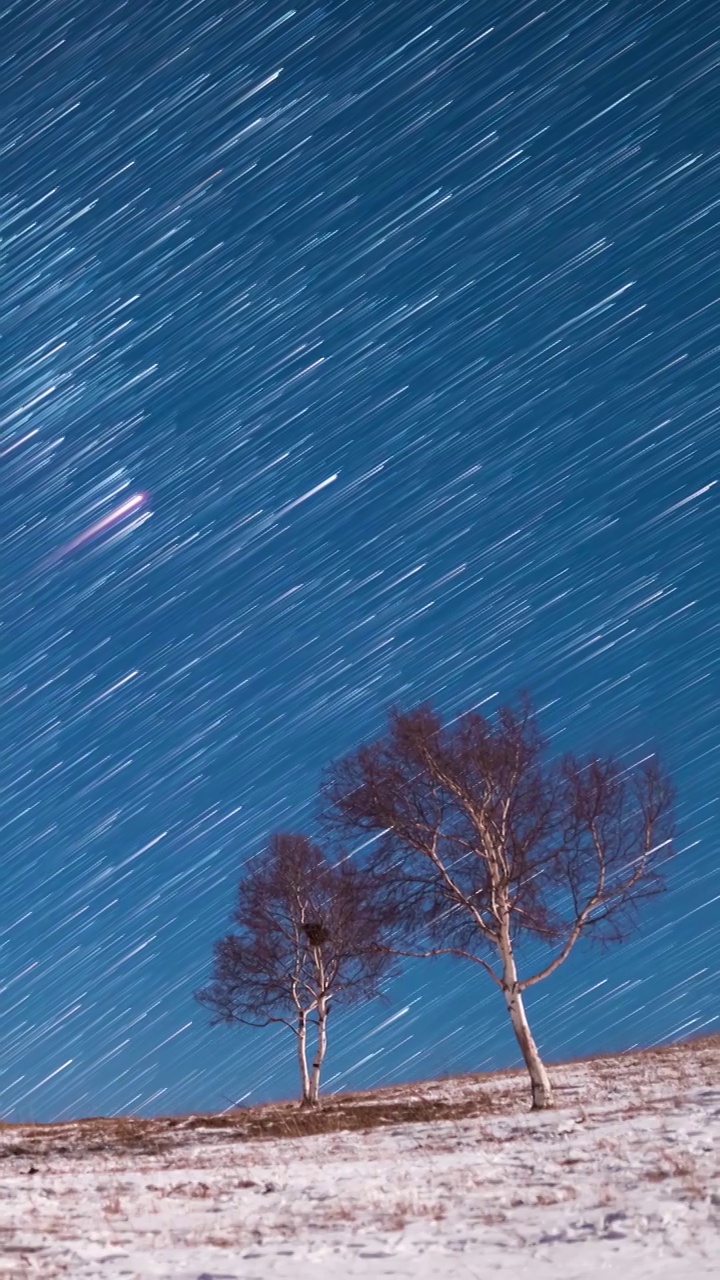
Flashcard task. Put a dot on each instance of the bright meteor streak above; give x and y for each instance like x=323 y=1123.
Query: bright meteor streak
x=112 y=518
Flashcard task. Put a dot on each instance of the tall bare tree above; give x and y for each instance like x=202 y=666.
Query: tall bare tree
x=487 y=845
x=308 y=933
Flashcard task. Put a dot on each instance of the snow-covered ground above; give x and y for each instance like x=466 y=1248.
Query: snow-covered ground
x=621 y=1180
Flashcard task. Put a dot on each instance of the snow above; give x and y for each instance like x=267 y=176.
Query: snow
x=621 y=1179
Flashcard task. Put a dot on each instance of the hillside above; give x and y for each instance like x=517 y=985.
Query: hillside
x=448 y=1178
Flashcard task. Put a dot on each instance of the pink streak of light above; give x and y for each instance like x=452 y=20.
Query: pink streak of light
x=123 y=509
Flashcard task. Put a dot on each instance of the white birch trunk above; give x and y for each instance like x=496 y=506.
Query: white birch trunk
x=542 y=1097
x=302 y=1059
x=320 y=1049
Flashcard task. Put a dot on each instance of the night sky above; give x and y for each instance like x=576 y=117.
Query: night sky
x=353 y=354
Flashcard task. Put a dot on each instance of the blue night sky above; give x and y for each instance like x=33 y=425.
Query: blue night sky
x=353 y=354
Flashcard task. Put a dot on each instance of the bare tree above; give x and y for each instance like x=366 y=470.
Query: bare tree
x=309 y=933
x=487 y=845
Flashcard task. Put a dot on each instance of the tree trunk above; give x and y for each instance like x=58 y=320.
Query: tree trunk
x=306 y=1100
x=542 y=1096
x=320 y=1049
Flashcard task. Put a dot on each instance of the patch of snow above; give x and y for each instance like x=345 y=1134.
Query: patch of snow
x=622 y=1179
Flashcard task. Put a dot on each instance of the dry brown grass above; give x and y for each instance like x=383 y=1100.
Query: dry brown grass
x=118 y=1135
x=155 y=1136
x=342 y=1117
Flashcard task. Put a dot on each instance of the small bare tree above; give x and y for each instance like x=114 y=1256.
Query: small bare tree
x=486 y=845
x=309 y=933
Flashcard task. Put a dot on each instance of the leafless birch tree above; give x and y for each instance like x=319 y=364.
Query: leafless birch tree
x=488 y=846
x=308 y=933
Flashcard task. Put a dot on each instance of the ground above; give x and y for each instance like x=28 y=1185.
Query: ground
x=453 y=1179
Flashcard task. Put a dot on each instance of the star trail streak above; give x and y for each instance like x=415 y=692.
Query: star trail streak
x=405 y=314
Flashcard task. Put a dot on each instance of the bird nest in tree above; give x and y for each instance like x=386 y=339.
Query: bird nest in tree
x=316 y=933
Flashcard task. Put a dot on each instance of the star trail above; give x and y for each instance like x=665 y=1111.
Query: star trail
x=353 y=355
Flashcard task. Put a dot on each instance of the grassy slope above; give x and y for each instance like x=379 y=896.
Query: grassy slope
x=581 y=1080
